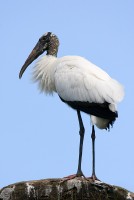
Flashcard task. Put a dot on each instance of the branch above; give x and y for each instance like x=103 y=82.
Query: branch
x=61 y=189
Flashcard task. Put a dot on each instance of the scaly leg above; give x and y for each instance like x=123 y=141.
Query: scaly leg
x=93 y=155
x=81 y=132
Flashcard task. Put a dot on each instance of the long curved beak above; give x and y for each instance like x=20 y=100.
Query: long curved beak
x=36 y=52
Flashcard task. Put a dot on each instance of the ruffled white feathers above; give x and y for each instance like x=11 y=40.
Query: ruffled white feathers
x=76 y=79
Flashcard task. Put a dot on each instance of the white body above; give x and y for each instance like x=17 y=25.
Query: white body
x=76 y=79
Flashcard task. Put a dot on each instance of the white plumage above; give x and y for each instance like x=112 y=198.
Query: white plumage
x=80 y=84
x=76 y=79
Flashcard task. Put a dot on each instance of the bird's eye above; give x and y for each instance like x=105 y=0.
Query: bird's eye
x=45 y=37
x=42 y=39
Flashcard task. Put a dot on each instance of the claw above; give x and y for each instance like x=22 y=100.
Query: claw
x=70 y=177
x=94 y=178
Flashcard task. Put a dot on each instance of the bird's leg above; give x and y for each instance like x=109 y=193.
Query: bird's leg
x=81 y=132
x=93 y=154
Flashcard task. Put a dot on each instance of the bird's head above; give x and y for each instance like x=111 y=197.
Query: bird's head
x=48 y=42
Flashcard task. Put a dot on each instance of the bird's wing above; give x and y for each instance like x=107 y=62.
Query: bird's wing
x=77 y=79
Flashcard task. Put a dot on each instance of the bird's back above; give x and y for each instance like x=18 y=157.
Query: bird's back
x=77 y=79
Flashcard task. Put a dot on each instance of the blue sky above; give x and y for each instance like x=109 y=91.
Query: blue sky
x=39 y=134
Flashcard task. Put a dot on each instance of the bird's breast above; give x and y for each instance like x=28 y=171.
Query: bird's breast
x=43 y=74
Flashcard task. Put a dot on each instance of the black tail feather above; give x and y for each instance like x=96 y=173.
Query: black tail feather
x=97 y=109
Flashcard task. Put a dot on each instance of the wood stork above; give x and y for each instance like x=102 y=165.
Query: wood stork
x=80 y=84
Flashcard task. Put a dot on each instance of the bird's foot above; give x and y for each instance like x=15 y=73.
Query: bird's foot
x=70 y=177
x=94 y=178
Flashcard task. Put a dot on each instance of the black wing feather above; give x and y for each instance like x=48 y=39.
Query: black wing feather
x=97 y=109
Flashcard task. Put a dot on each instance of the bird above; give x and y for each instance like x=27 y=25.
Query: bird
x=80 y=84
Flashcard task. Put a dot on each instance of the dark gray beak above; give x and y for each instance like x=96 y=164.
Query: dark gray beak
x=36 y=52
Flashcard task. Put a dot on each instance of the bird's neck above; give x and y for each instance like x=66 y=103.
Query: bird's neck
x=53 y=47
x=52 y=50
